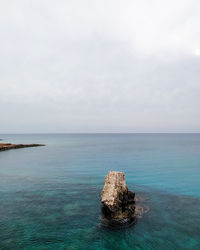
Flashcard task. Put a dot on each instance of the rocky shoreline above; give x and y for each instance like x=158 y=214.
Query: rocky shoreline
x=8 y=146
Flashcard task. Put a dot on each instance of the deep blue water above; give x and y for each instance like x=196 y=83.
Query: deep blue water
x=50 y=196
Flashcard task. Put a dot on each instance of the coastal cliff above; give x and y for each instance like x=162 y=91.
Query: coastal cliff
x=118 y=203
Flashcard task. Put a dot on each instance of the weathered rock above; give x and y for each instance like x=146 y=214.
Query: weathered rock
x=7 y=146
x=118 y=203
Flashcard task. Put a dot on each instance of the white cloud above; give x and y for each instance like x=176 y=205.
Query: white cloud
x=197 y=52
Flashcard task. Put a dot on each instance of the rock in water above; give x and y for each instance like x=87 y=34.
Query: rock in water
x=118 y=203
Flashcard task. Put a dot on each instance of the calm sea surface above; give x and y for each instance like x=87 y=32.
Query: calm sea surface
x=50 y=196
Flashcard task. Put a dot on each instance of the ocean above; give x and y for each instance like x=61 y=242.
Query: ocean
x=50 y=196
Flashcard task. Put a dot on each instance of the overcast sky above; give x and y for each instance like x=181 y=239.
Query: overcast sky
x=99 y=66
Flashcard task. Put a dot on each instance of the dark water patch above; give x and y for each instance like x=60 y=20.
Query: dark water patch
x=68 y=219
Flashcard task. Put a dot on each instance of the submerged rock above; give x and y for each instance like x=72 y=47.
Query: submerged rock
x=118 y=203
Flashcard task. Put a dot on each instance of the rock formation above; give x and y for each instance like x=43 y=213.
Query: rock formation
x=118 y=203
x=7 y=146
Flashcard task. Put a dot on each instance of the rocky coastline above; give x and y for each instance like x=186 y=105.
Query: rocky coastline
x=8 y=146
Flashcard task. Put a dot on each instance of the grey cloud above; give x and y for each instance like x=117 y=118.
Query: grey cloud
x=99 y=66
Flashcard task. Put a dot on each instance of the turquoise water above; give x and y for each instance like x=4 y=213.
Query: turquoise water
x=50 y=196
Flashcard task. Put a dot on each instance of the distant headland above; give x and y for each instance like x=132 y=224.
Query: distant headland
x=8 y=146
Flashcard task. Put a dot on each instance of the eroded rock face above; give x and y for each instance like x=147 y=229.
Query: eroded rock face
x=118 y=203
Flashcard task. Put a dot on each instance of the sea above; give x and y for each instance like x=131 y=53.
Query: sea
x=50 y=196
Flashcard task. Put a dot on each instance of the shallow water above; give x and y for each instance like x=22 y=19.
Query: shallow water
x=50 y=195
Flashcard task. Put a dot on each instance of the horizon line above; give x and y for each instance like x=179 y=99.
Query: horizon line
x=93 y=133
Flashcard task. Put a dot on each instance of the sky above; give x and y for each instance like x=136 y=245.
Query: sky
x=99 y=66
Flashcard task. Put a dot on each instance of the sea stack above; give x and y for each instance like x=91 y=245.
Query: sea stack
x=118 y=203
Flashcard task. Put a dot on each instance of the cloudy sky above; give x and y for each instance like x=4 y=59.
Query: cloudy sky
x=99 y=66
